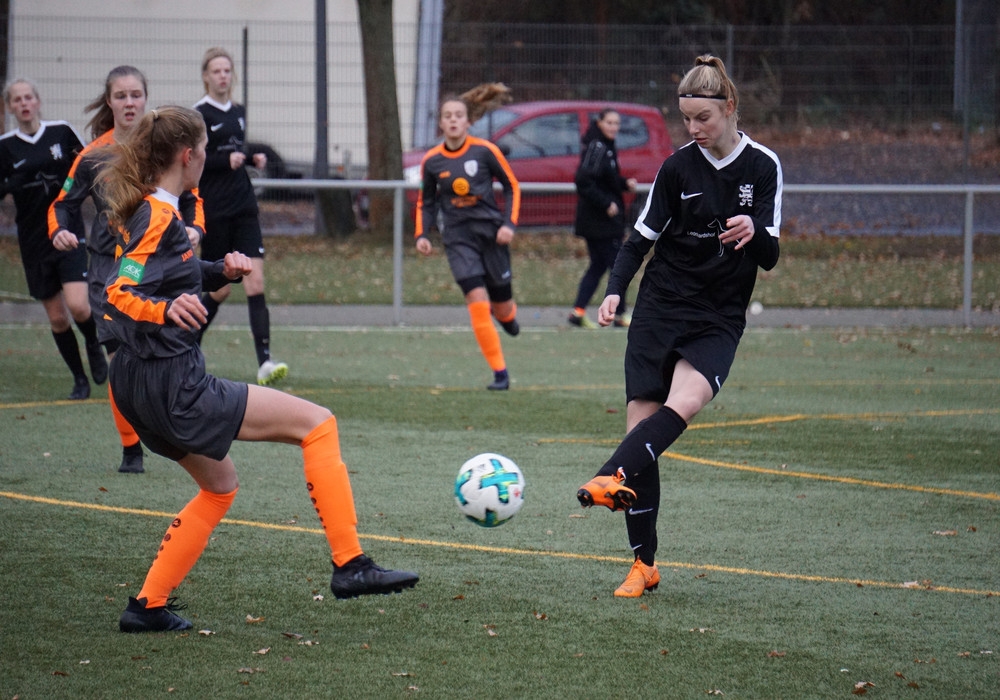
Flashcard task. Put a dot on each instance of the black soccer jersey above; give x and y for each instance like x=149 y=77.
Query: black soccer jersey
x=33 y=169
x=226 y=192
x=691 y=198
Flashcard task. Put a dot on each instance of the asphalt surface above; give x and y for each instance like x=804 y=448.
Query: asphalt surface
x=363 y=316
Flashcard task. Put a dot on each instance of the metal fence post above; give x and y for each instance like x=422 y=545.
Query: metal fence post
x=967 y=260
x=397 y=255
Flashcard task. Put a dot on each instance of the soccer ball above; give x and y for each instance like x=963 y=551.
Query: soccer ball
x=489 y=489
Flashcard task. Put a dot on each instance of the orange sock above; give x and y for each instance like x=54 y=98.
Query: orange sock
x=486 y=334
x=125 y=430
x=184 y=542
x=511 y=316
x=330 y=490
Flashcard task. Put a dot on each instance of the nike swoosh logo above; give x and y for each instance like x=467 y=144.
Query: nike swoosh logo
x=215 y=127
x=717 y=382
x=649 y=448
x=19 y=163
x=685 y=195
x=633 y=511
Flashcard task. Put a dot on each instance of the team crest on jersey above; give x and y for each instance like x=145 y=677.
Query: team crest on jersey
x=460 y=186
x=56 y=151
x=746 y=195
x=471 y=167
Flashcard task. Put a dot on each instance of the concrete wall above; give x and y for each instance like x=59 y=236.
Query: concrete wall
x=67 y=47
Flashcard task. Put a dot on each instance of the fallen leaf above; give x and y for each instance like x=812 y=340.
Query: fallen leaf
x=251 y=620
x=912 y=684
x=861 y=687
x=459 y=597
x=946 y=533
x=664 y=652
x=491 y=630
x=84 y=662
x=308 y=643
x=714 y=691
x=205 y=633
x=263 y=651
x=403 y=674
x=701 y=630
x=540 y=615
x=318 y=597
x=900 y=675
x=292 y=635
x=59 y=673
x=964 y=654
x=775 y=654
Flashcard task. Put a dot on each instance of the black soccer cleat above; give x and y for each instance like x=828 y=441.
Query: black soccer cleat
x=361 y=576
x=81 y=389
x=501 y=381
x=138 y=618
x=98 y=362
x=132 y=459
x=512 y=326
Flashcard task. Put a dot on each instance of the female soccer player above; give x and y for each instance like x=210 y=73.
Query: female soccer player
x=34 y=160
x=712 y=219
x=600 y=211
x=159 y=381
x=231 y=215
x=458 y=179
x=116 y=111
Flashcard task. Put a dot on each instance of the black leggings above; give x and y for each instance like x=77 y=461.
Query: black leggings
x=603 y=252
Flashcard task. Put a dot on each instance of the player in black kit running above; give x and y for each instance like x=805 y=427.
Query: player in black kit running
x=231 y=214
x=34 y=160
x=712 y=219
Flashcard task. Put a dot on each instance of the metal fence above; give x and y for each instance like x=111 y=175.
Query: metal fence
x=792 y=74
x=798 y=75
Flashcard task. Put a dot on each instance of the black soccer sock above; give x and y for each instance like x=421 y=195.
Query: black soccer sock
x=646 y=442
x=89 y=330
x=69 y=348
x=640 y=519
x=211 y=309
x=260 y=327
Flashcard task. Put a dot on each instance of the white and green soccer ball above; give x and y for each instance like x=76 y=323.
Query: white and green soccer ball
x=489 y=489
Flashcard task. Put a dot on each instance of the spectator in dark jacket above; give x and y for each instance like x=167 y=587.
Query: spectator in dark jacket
x=600 y=211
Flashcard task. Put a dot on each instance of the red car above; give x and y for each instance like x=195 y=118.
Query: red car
x=542 y=143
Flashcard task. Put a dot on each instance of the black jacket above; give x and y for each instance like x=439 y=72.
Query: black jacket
x=598 y=184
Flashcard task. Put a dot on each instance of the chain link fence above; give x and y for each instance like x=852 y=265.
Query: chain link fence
x=802 y=75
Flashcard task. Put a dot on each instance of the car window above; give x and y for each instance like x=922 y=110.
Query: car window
x=491 y=122
x=632 y=134
x=549 y=135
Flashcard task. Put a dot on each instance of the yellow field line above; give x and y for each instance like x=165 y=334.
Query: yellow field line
x=415 y=542
x=989 y=496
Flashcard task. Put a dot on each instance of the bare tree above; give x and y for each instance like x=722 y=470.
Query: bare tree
x=385 y=147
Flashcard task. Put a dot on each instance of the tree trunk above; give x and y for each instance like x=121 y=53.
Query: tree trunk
x=385 y=148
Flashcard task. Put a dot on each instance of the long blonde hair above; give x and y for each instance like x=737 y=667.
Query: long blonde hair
x=139 y=160
x=708 y=78
x=210 y=55
x=481 y=99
